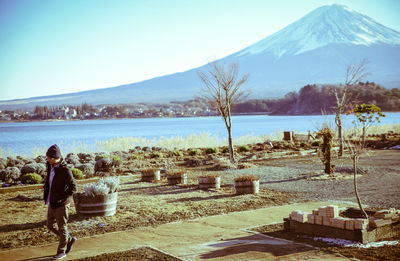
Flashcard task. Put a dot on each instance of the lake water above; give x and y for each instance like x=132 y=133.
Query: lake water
x=23 y=137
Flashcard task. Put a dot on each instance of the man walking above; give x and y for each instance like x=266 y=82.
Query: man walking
x=58 y=189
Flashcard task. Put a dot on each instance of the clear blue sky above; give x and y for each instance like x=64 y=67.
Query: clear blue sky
x=60 y=46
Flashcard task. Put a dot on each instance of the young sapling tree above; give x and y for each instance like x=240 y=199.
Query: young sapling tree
x=367 y=115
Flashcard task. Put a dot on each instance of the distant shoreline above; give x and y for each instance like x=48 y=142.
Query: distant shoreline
x=116 y=118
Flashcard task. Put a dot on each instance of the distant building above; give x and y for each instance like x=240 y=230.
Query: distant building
x=65 y=113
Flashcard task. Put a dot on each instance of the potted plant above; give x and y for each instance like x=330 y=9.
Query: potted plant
x=209 y=181
x=99 y=199
x=150 y=175
x=247 y=185
x=177 y=177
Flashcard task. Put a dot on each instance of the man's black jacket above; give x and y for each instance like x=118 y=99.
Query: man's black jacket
x=63 y=185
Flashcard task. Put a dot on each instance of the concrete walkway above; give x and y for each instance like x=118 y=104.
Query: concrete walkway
x=222 y=237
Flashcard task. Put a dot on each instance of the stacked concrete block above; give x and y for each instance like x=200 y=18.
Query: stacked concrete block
x=349 y=224
x=325 y=214
x=338 y=222
x=386 y=213
x=326 y=221
x=321 y=211
x=384 y=217
x=332 y=211
x=318 y=220
x=299 y=216
x=311 y=218
x=329 y=216
x=360 y=223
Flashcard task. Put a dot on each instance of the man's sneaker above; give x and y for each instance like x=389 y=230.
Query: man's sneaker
x=70 y=244
x=59 y=256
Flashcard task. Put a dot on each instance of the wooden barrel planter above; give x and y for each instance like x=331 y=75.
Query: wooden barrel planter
x=247 y=185
x=100 y=205
x=177 y=178
x=209 y=182
x=151 y=175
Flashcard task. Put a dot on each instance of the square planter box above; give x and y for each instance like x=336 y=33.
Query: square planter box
x=151 y=175
x=177 y=179
x=209 y=182
x=247 y=187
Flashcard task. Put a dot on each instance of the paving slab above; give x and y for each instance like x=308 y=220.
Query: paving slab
x=221 y=237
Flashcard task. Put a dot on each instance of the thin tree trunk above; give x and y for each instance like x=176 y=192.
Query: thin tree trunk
x=339 y=125
x=355 y=159
x=231 y=152
x=363 y=138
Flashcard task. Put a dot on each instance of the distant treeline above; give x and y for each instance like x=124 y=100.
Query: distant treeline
x=317 y=99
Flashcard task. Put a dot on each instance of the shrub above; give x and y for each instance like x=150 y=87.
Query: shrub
x=87 y=169
x=104 y=164
x=156 y=154
x=244 y=148
x=194 y=152
x=38 y=168
x=72 y=158
x=225 y=150
x=111 y=182
x=135 y=156
x=193 y=162
x=246 y=178
x=223 y=164
x=77 y=173
x=103 y=187
x=41 y=159
x=85 y=157
x=177 y=153
x=211 y=150
x=31 y=178
x=3 y=163
x=94 y=189
x=116 y=159
x=326 y=149
x=102 y=156
x=315 y=143
x=10 y=175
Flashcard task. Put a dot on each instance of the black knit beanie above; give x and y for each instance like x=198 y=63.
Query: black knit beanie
x=54 y=152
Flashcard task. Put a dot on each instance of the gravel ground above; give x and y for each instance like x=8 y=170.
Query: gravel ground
x=378 y=186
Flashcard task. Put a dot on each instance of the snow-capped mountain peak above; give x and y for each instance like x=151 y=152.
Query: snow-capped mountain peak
x=325 y=25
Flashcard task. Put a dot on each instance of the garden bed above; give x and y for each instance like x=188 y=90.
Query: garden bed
x=385 y=252
x=24 y=214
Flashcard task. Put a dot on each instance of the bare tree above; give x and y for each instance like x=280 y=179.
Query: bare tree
x=355 y=153
x=222 y=93
x=354 y=74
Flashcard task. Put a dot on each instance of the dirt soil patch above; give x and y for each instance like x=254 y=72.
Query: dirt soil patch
x=140 y=204
x=374 y=253
x=143 y=253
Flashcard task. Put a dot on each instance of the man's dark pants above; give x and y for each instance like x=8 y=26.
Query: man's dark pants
x=59 y=216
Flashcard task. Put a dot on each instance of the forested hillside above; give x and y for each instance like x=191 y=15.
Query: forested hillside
x=317 y=99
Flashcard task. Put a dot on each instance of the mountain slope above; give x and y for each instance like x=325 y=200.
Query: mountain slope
x=333 y=24
x=314 y=49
